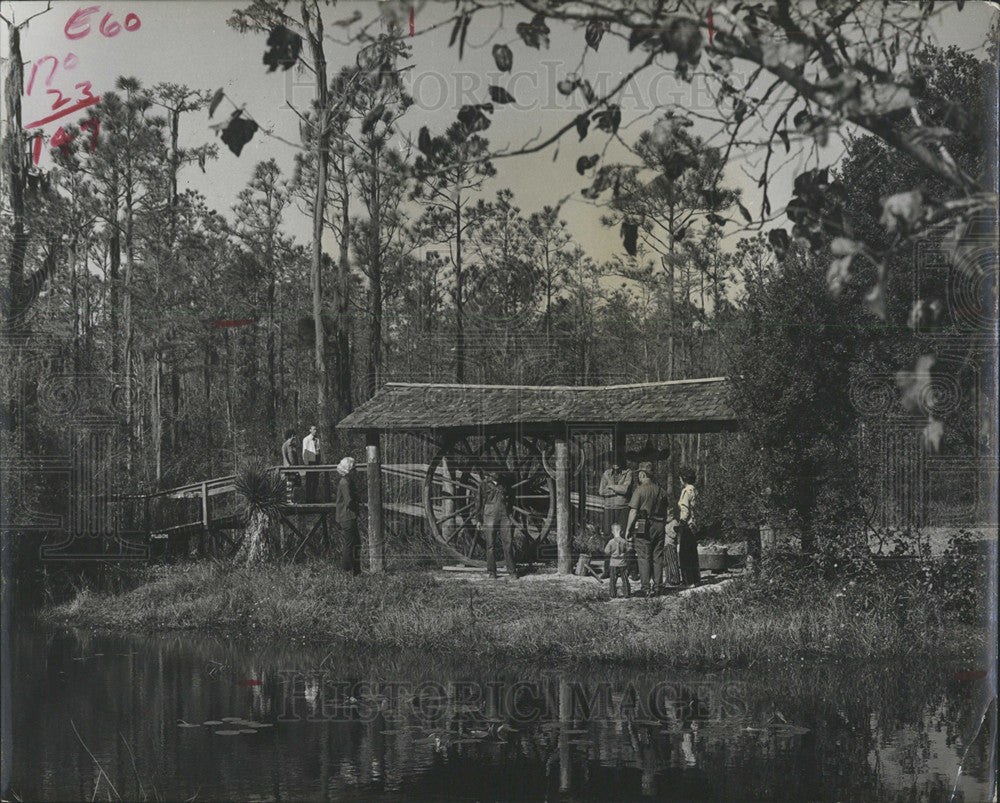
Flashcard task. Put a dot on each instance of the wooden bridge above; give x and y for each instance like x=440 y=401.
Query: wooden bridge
x=207 y=515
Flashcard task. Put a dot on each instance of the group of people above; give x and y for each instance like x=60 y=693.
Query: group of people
x=647 y=529
x=346 y=515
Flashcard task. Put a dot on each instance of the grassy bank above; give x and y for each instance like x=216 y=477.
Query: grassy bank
x=743 y=624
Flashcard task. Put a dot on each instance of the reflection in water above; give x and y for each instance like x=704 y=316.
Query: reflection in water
x=307 y=725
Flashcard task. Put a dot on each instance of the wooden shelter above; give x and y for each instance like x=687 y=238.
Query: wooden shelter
x=525 y=432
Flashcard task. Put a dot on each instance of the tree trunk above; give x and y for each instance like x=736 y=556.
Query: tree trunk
x=319 y=206
x=375 y=367
x=459 y=317
x=259 y=540
x=342 y=339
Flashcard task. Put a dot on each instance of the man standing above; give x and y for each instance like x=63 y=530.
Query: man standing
x=646 y=520
x=347 y=518
x=310 y=457
x=615 y=485
x=288 y=459
x=687 y=547
x=495 y=508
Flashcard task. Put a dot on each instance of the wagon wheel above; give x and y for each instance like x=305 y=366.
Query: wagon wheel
x=451 y=488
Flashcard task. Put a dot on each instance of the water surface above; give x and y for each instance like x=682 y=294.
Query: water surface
x=300 y=724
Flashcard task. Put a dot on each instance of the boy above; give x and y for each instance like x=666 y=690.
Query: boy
x=617 y=549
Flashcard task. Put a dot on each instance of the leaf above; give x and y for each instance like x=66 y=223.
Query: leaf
x=932 y=433
x=473 y=119
x=373 y=116
x=424 y=141
x=802 y=120
x=566 y=86
x=455 y=29
x=501 y=95
x=901 y=210
x=582 y=125
x=283 y=50
x=534 y=33
x=875 y=300
x=503 y=57
x=630 y=235
x=238 y=133
x=715 y=219
x=638 y=36
x=587 y=90
x=783 y=135
x=779 y=241
x=584 y=163
x=609 y=119
x=594 y=33
x=745 y=212
x=538 y=22
x=220 y=93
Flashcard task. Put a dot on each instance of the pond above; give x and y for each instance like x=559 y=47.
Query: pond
x=199 y=718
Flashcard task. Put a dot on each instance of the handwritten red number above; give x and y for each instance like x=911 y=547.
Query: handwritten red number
x=85 y=86
x=60 y=100
x=34 y=70
x=36 y=148
x=78 y=25
x=109 y=28
x=70 y=61
x=93 y=125
x=132 y=22
x=61 y=140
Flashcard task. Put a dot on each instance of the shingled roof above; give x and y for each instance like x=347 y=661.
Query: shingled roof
x=695 y=404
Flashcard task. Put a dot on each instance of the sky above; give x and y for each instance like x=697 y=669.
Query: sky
x=189 y=42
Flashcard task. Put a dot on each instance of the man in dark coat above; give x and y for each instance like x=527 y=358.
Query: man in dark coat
x=347 y=518
x=494 y=504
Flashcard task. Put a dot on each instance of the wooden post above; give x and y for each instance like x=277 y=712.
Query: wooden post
x=204 y=506
x=564 y=559
x=376 y=532
x=206 y=537
x=618 y=444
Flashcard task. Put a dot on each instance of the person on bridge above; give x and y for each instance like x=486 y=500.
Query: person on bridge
x=288 y=459
x=311 y=456
x=494 y=505
x=347 y=518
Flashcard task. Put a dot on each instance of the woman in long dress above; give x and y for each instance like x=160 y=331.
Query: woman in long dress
x=687 y=547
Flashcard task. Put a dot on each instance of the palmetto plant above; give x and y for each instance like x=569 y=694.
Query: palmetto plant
x=262 y=495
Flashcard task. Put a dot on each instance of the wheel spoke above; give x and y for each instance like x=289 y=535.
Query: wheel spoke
x=528 y=513
x=452 y=515
x=459 y=482
x=458 y=530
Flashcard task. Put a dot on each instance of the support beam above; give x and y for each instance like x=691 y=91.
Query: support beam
x=564 y=558
x=376 y=530
x=618 y=444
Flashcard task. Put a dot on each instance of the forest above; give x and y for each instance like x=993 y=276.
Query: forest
x=207 y=331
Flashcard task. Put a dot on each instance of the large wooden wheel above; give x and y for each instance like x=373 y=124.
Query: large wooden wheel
x=451 y=488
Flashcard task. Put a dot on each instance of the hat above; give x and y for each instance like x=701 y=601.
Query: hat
x=647 y=467
x=345 y=465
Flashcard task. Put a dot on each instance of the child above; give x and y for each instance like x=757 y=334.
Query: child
x=671 y=565
x=617 y=549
